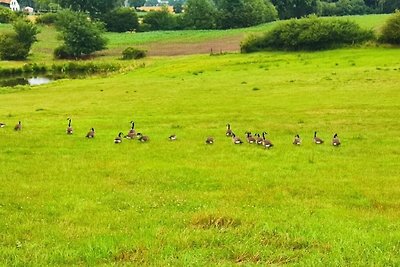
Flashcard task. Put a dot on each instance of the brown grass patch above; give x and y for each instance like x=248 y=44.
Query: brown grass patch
x=214 y=221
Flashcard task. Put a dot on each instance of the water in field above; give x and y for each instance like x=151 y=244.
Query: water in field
x=31 y=81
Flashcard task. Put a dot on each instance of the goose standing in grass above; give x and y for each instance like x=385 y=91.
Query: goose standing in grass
x=317 y=140
x=259 y=139
x=336 y=140
x=250 y=139
x=2 y=125
x=132 y=133
x=236 y=140
x=172 y=137
x=297 y=140
x=69 y=128
x=118 y=139
x=228 y=130
x=18 y=127
x=143 y=138
x=266 y=143
x=210 y=140
x=91 y=133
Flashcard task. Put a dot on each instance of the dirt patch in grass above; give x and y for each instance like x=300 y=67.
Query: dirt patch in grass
x=227 y=44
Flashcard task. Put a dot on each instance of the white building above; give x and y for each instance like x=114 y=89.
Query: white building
x=12 y=4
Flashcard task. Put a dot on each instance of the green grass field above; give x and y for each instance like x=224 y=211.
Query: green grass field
x=66 y=200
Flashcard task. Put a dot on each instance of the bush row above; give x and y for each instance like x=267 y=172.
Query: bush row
x=309 y=33
x=69 y=67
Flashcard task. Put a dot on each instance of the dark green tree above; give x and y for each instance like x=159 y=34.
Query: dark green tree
x=16 y=45
x=96 y=8
x=136 y=3
x=160 y=20
x=81 y=36
x=391 y=30
x=200 y=14
x=295 y=8
x=389 y=6
x=121 y=20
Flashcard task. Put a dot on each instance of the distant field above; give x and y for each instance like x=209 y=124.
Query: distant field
x=172 y=42
x=66 y=200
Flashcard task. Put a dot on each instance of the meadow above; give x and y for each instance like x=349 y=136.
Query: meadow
x=66 y=200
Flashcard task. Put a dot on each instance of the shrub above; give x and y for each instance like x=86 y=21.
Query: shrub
x=310 y=33
x=48 y=18
x=133 y=53
x=160 y=20
x=121 y=20
x=16 y=45
x=62 y=52
x=7 y=15
x=391 y=30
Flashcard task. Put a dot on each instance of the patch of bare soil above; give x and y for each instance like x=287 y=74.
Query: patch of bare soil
x=226 y=44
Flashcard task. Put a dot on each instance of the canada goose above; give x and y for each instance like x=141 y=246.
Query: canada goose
x=297 y=140
x=259 y=139
x=250 y=138
x=18 y=127
x=118 y=139
x=143 y=138
x=69 y=128
x=228 y=130
x=317 y=140
x=91 y=133
x=172 y=137
x=335 y=140
x=132 y=130
x=2 y=125
x=236 y=140
x=266 y=143
x=210 y=140
x=132 y=133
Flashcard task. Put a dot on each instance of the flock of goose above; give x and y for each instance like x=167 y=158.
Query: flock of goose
x=256 y=139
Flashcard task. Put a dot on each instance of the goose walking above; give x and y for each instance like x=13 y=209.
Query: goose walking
x=236 y=140
x=317 y=140
x=91 y=133
x=2 y=125
x=118 y=139
x=18 y=127
x=297 y=140
x=266 y=143
x=228 y=130
x=69 y=128
x=336 y=140
x=250 y=139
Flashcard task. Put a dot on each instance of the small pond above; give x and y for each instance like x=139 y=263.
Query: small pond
x=26 y=80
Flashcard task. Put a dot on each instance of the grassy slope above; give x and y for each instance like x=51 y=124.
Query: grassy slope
x=66 y=200
x=43 y=50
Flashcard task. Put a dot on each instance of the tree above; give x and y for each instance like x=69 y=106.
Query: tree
x=7 y=15
x=391 y=30
x=121 y=20
x=160 y=20
x=295 y=8
x=81 y=36
x=136 y=3
x=389 y=6
x=178 y=7
x=16 y=45
x=96 y=8
x=200 y=14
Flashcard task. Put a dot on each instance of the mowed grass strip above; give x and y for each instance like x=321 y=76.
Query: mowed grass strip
x=67 y=200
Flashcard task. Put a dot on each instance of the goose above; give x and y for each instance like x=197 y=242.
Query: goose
x=250 y=138
x=18 y=127
x=266 y=143
x=210 y=140
x=297 y=140
x=317 y=140
x=69 y=128
x=228 y=130
x=236 y=140
x=2 y=125
x=132 y=133
x=91 y=133
x=118 y=139
x=335 y=140
x=259 y=139
x=172 y=137
x=143 y=138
